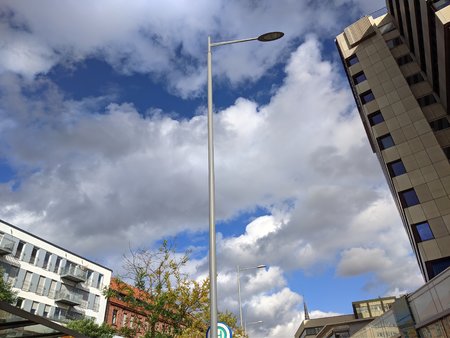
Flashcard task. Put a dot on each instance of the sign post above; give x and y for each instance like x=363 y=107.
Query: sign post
x=223 y=331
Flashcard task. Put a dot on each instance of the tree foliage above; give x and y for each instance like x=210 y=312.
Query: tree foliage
x=91 y=329
x=7 y=294
x=170 y=303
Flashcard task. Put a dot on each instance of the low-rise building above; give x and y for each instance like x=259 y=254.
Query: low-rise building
x=345 y=325
x=51 y=281
x=423 y=313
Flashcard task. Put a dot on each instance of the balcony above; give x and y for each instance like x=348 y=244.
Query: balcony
x=6 y=244
x=68 y=297
x=74 y=273
x=65 y=316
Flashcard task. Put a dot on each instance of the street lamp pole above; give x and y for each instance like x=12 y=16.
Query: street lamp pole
x=239 y=269
x=212 y=226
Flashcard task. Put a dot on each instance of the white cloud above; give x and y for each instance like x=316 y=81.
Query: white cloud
x=166 y=39
x=94 y=175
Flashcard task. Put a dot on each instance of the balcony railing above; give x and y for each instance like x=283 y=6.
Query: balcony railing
x=74 y=273
x=65 y=316
x=68 y=297
x=6 y=244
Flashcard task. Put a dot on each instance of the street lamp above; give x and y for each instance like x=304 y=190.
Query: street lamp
x=251 y=323
x=212 y=226
x=239 y=269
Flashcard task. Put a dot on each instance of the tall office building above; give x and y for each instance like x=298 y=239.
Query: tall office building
x=398 y=66
x=50 y=281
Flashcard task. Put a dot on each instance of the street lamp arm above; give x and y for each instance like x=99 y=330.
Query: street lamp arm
x=215 y=44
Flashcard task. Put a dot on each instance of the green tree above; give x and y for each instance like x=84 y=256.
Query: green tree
x=172 y=304
x=7 y=294
x=91 y=329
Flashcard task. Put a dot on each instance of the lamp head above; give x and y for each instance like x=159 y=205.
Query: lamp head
x=270 y=36
x=262 y=266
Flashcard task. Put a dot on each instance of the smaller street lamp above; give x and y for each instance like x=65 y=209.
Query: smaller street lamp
x=239 y=269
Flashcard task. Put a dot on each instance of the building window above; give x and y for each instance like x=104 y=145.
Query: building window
x=46 y=311
x=19 y=302
x=46 y=260
x=426 y=100
x=413 y=79
x=447 y=152
x=19 y=250
x=385 y=141
x=114 y=317
x=352 y=60
x=359 y=77
x=34 y=307
x=375 y=118
x=408 y=198
x=40 y=287
x=27 y=281
x=33 y=255
x=58 y=262
x=366 y=97
x=396 y=168
x=403 y=60
x=387 y=28
x=124 y=319
x=440 y=124
x=436 y=266
x=422 y=232
x=394 y=43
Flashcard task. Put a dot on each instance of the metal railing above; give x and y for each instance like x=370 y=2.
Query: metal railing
x=75 y=273
x=68 y=297
x=6 y=244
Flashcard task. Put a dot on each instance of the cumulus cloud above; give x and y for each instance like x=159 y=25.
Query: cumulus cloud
x=158 y=38
x=96 y=175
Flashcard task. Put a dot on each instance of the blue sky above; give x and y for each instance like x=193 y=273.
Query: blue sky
x=103 y=146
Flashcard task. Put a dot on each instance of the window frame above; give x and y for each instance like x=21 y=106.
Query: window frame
x=393 y=169
x=373 y=118
x=351 y=60
x=417 y=234
x=382 y=145
x=367 y=97
x=403 y=197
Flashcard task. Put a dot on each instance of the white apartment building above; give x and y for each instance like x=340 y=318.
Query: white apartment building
x=51 y=281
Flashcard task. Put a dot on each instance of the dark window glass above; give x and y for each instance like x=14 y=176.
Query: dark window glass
x=416 y=78
x=437 y=266
x=385 y=141
x=19 y=250
x=396 y=168
x=352 y=60
x=440 y=124
x=33 y=255
x=408 y=198
x=409 y=27
x=393 y=43
x=420 y=34
x=375 y=118
x=399 y=15
x=387 y=28
x=359 y=77
x=422 y=232
x=367 y=97
x=19 y=302
x=114 y=317
x=447 y=152
x=426 y=100
x=403 y=60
